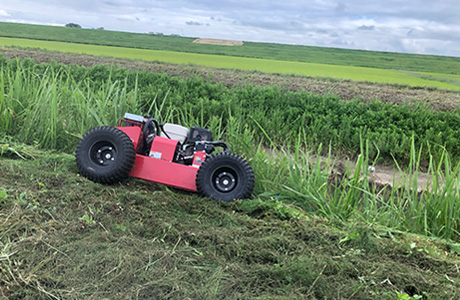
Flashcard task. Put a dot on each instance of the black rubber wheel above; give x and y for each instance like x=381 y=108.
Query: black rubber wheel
x=105 y=155
x=225 y=176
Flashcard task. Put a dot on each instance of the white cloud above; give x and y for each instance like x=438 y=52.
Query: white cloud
x=3 y=13
x=416 y=26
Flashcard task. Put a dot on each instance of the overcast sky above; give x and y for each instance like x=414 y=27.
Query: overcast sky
x=424 y=26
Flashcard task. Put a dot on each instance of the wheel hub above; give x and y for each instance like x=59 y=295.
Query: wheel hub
x=102 y=153
x=225 y=181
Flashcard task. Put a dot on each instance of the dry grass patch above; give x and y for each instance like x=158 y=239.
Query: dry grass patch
x=219 y=42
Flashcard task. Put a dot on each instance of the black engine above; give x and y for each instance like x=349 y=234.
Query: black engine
x=198 y=139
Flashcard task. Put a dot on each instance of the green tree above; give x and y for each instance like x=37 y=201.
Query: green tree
x=72 y=25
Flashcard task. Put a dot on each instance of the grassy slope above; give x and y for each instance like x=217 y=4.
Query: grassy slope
x=150 y=242
x=359 y=58
x=65 y=237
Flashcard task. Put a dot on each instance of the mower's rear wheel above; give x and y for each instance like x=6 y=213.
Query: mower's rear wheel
x=105 y=155
x=225 y=176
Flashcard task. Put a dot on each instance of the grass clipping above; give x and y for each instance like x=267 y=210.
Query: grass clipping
x=64 y=237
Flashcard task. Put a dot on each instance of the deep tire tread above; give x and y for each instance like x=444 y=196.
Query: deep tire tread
x=246 y=181
x=124 y=164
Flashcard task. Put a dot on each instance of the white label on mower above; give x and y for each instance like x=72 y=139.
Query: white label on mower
x=156 y=155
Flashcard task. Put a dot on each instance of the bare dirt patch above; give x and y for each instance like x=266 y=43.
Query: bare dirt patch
x=388 y=176
x=218 y=42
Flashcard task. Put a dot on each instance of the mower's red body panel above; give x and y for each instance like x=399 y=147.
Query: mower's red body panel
x=134 y=133
x=161 y=171
x=158 y=166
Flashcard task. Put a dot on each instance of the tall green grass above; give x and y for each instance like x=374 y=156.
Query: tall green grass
x=53 y=110
x=52 y=106
x=85 y=97
x=315 y=183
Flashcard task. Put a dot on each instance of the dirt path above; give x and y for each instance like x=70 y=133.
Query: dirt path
x=383 y=176
x=219 y=42
x=346 y=90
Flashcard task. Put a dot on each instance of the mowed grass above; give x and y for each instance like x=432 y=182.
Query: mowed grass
x=441 y=81
x=65 y=237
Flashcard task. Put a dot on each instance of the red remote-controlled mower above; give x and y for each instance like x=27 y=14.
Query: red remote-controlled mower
x=165 y=153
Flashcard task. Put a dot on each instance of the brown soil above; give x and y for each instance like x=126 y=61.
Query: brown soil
x=218 y=42
x=347 y=90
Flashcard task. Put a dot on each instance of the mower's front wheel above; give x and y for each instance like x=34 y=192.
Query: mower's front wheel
x=105 y=155
x=225 y=177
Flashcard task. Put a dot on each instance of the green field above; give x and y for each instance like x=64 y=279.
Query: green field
x=320 y=55
x=250 y=64
x=319 y=225
x=312 y=230
x=63 y=102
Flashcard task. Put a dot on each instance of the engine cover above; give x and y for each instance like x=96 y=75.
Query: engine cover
x=163 y=148
x=198 y=134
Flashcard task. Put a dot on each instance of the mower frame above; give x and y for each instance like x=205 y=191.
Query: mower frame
x=140 y=147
